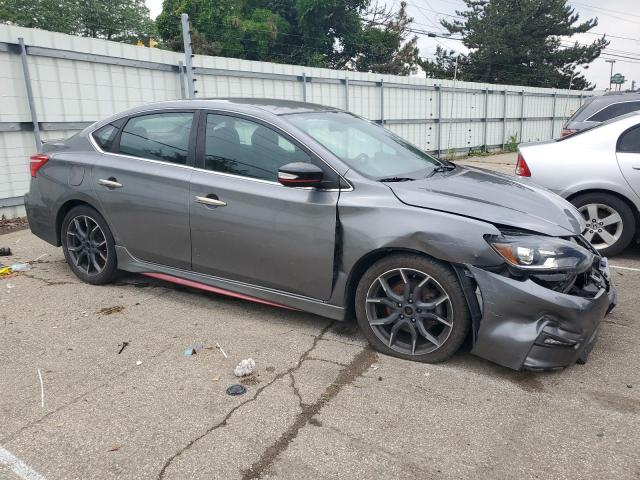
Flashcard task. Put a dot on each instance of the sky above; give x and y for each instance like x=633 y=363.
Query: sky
x=619 y=18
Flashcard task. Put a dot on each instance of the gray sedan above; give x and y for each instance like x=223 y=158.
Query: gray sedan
x=311 y=208
x=598 y=170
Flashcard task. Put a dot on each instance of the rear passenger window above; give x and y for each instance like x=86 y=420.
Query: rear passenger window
x=160 y=136
x=614 y=110
x=104 y=136
x=629 y=141
x=242 y=147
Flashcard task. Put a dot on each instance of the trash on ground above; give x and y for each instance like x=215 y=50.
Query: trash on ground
x=244 y=368
x=216 y=378
x=5 y=271
x=220 y=348
x=114 y=448
x=193 y=350
x=110 y=310
x=629 y=385
x=20 y=267
x=41 y=256
x=236 y=389
x=41 y=389
x=10 y=285
x=139 y=362
x=5 y=252
x=124 y=345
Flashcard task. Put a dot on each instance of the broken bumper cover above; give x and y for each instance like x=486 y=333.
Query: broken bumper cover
x=527 y=326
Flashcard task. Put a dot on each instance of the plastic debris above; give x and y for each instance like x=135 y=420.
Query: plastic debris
x=114 y=448
x=220 y=348
x=4 y=271
x=5 y=252
x=10 y=285
x=236 y=389
x=244 y=368
x=20 y=267
x=139 y=362
x=216 y=378
x=41 y=257
x=193 y=350
x=41 y=389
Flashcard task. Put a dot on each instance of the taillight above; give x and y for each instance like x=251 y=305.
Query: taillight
x=36 y=162
x=566 y=132
x=522 y=169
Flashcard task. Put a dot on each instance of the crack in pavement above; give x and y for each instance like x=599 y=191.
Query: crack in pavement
x=347 y=375
x=229 y=414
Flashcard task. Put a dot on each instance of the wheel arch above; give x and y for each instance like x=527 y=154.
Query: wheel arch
x=363 y=264
x=64 y=209
x=634 y=208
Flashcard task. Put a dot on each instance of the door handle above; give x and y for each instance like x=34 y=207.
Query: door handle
x=109 y=183
x=636 y=167
x=211 y=202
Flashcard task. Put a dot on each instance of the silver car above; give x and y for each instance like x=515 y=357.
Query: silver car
x=598 y=170
x=311 y=208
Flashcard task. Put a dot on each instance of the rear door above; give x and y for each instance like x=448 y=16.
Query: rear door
x=142 y=182
x=628 y=154
x=256 y=230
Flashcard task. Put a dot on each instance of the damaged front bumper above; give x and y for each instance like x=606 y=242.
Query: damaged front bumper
x=524 y=325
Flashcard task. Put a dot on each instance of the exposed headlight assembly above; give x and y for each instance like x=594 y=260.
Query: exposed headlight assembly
x=541 y=254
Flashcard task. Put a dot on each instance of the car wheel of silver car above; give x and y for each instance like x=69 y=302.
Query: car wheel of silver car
x=610 y=221
x=412 y=307
x=88 y=245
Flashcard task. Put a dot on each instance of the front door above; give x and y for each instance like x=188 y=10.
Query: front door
x=247 y=227
x=628 y=153
x=143 y=187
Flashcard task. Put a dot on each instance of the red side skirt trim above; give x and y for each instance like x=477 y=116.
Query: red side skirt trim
x=209 y=288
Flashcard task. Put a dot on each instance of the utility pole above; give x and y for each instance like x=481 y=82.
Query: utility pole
x=611 y=75
x=455 y=72
x=633 y=85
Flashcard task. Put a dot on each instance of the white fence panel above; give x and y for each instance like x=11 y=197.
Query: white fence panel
x=76 y=81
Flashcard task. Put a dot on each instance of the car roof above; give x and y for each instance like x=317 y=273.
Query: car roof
x=272 y=105
x=594 y=104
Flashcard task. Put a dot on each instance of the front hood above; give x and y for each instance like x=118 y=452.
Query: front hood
x=492 y=197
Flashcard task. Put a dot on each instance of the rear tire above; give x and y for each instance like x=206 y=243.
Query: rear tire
x=88 y=245
x=603 y=206
x=426 y=321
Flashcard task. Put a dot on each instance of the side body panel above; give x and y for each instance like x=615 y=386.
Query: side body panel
x=267 y=234
x=149 y=214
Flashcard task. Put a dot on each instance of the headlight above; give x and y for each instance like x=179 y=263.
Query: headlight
x=536 y=252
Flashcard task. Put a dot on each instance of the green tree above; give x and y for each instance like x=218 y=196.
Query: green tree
x=347 y=34
x=518 y=42
x=121 y=20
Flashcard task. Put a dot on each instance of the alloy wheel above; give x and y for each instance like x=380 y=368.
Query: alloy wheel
x=409 y=311
x=604 y=224
x=87 y=245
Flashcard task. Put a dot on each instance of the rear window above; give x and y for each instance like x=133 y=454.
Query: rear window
x=104 y=136
x=614 y=110
x=629 y=141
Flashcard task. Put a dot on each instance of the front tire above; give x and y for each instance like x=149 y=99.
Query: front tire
x=88 y=245
x=412 y=307
x=611 y=224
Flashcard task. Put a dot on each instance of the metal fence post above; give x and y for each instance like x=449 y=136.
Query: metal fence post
x=486 y=118
x=521 y=113
x=439 y=118
x=346 y=93
x=32 y=105
x=304 y=87
x=553 y=114
x=381 y=101
x=188 y=54
x=504 y=117
x=181 y=78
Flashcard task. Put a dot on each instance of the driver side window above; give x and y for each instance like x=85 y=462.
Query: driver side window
x=245 y=148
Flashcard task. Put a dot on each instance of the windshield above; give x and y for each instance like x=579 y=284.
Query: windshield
x=367 y=148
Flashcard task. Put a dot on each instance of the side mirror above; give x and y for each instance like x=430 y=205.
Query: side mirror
x=300 y=174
